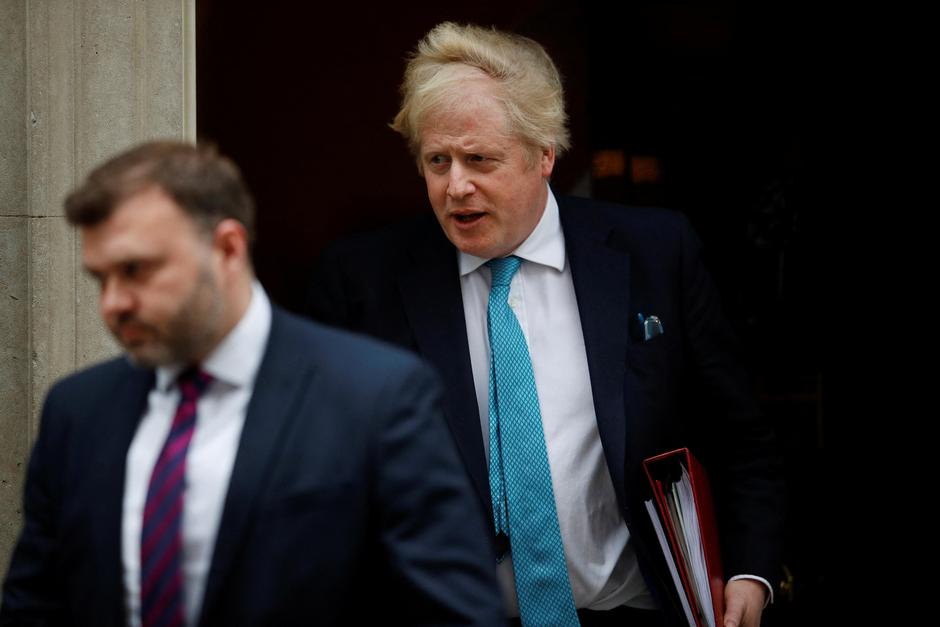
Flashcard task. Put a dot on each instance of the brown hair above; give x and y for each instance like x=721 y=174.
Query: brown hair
x=205 y=184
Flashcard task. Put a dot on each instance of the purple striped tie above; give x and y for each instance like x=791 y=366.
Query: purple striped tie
x=161 y=577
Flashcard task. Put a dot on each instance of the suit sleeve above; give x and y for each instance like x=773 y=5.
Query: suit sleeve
x=432 y=529
x=741 y=443
x=31 y=591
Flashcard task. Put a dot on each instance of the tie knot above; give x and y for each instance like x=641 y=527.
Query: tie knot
x=193 y=382
x=503 y=269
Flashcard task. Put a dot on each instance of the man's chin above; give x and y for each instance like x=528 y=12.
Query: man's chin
x=148 y=356
x=482 y=249
x=476 y=246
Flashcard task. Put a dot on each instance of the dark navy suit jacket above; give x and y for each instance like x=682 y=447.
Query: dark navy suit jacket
x=685 y=387
x=347 y=503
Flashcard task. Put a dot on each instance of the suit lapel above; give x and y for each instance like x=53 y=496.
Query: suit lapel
x=282 y=378
x=117 y=421
x=601 y=275
x=430 y=290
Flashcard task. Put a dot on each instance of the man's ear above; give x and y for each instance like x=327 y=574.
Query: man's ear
x=547 y=161
x=230 y=239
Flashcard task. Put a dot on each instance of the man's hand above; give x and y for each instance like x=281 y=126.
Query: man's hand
x=744 y=602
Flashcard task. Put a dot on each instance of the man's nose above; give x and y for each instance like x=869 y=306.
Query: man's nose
x=460 y=183
x=116 y=298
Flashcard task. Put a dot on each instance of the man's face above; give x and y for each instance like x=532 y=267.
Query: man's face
x=159 y=280
x=486 y=195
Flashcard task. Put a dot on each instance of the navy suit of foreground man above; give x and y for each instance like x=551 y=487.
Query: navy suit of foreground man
x=322 y=458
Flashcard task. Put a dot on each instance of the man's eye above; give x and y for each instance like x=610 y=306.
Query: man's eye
x=131 y=269
x=477 y=158
x=437 y=160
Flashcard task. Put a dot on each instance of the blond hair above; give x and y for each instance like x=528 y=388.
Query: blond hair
x=527 y=83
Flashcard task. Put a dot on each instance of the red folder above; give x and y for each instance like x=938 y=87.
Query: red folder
x=664 y=470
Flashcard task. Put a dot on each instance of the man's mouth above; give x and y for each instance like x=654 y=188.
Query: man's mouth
x=468 y=218
x=131 y=333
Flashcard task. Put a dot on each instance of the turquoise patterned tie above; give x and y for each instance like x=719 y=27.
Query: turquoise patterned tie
x=520 y=480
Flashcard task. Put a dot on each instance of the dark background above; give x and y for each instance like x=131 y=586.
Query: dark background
x=723 y=110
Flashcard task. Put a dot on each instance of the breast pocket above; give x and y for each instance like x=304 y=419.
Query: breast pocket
x=652 y=380
x=649 y=357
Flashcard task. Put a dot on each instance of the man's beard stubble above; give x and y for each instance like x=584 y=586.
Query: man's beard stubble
x=189 y=335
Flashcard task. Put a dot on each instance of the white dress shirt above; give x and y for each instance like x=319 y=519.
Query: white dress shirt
x=220 y=417
x=602 y=566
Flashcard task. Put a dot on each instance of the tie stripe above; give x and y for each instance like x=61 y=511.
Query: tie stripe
x=161 y=586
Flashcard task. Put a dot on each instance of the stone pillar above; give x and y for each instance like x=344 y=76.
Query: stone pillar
x=79 y=81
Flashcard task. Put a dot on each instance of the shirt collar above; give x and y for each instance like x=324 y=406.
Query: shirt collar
x=545 y=244
x=238 y=356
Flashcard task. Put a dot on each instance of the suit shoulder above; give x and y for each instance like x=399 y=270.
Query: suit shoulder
x=78 y=398
x=336 y=349
x=655 y=231
x=638 y=217
x=365 y=376
x=102 y=376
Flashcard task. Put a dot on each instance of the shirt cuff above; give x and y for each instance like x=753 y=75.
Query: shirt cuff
x=770 y=590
